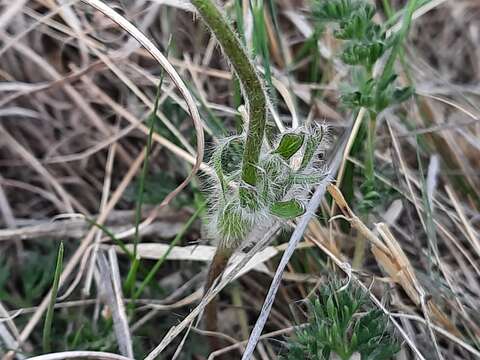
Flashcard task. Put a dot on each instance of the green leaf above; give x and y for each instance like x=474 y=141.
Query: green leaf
x=402 y=94
x=287 y=209
x=311 y=146
x=289 y=145
x=331 y=310
x=382 y=85
x=47 y=327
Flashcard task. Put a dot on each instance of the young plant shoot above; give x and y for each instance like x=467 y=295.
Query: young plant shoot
x=270 y=183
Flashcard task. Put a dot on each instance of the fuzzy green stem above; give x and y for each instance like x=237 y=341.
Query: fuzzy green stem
x=250 y=81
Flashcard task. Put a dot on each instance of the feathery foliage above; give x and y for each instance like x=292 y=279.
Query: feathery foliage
x=341 y=322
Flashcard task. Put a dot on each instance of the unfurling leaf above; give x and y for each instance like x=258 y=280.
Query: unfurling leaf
x=232 y=224
x=248 y=197
x=402 y=94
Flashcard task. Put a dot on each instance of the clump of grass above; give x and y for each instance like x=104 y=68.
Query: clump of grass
x=343 y=324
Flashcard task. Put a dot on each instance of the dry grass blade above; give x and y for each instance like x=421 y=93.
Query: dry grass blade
x=205 y=253
x=8 y=331
x=92 y=355
x=428 y=6
x=112 y=294
x=172 y=73
x=9 y=13
x=119 y=313
x=29 y=158
x=472 y=235
x=103 y=202
x=156 y=137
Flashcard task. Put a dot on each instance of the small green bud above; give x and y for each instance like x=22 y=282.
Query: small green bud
x=248 y=197
x=232 y=225
x=312 y=142
x=217 y=161
x=365 y=54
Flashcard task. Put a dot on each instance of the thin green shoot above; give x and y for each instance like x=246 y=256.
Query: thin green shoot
x=398 y=42
x=161 y=260
x=261 y=40
x=47 y=327
x=152 y=118
x=141 y=188
x=387 y=7
x=111 y=235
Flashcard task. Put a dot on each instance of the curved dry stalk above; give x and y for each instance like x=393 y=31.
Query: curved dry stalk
x=172 y=73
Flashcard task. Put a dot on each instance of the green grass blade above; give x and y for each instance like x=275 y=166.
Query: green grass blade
x=261 y=41
x=398 y=41
x=47 y=327
x=111 y=235
x=160 y=261
x=141 y=188
x=143 y=174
